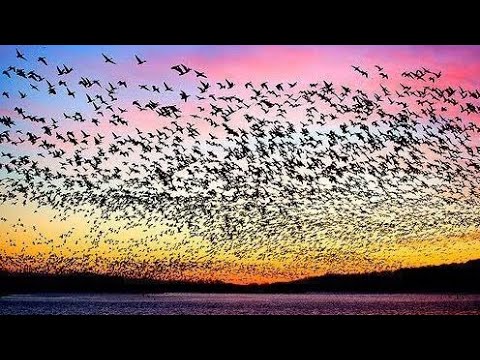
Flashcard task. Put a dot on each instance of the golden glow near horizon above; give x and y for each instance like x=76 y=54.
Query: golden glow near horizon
x=44 y=241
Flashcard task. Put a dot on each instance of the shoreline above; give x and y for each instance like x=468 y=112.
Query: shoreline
x=443 y=279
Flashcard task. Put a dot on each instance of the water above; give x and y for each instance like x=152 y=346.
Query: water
x=240 y=304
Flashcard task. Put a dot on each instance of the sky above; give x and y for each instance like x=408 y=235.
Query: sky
x=187 y=205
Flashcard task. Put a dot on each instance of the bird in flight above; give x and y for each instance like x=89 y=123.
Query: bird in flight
x=181 y=69
x=362 y=72
x=200 y=74
x=42 y=60
x=140 y=61
x=108 y=60
x=20 y=55
x=184 y=96
x=237 y=169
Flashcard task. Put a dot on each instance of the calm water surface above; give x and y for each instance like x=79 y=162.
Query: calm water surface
x=240 y=304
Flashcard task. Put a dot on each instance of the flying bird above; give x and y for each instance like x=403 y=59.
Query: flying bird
x=108 y=59
x=20 y=55
x=140 y=61
x=42 y=60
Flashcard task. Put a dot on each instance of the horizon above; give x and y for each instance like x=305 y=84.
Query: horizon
x=220 y=282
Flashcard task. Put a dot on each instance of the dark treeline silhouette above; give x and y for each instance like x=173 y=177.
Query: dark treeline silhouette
x=462 y=278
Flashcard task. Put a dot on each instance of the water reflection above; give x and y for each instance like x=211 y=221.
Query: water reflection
x=237 y=304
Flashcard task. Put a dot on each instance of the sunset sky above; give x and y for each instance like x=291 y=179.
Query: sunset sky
x=130 y=228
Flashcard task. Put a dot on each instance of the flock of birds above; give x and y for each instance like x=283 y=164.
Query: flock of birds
x=272 y=179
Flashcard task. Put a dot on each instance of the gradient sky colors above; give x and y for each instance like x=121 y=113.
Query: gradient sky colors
x=312 y=241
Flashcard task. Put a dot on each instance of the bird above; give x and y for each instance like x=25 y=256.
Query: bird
x=274 y=180
x=184 y=96
x=42 y=60
x=108 y=59
x=181 y=69
x=20 y=55
x=140 y=61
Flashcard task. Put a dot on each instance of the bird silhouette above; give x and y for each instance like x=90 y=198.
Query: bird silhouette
x=274 y=178
x=140 y=61
x=20 y=55
x=42 y=60
x=108 y=59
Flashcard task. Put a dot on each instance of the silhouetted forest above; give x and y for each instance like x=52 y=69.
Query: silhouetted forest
x=461 y=278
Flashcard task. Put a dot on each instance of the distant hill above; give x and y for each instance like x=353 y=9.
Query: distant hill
x=441 y=279
x=461 y=278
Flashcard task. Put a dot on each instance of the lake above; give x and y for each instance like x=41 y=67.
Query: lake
x=240 y=304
